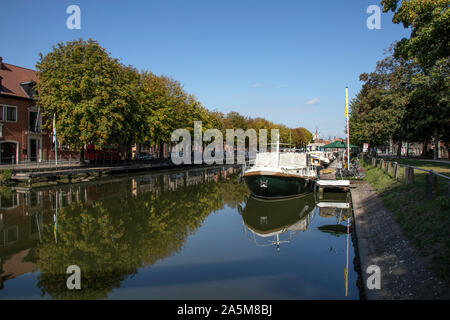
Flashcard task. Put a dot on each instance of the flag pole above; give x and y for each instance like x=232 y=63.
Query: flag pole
x=54 y=139
x=348 y=128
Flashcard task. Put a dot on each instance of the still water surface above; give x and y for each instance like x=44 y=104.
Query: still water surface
x=193 y=234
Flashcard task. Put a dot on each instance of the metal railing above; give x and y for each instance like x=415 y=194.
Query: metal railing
x=35 y=163
x=68 y=162
x=431 y=181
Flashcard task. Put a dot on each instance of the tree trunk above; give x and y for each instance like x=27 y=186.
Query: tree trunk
x=424 y=148
x=436 y=145
x=399 y=150
x=161 y=150
x=82 y=155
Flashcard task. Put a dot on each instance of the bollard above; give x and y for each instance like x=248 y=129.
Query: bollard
x=434 y=181
x=409 y=175
x=428 y=188
x=405 y=174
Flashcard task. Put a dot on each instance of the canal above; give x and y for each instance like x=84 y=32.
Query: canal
x=192 y=234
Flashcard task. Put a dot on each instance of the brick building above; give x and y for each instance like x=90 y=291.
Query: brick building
x=21 y=136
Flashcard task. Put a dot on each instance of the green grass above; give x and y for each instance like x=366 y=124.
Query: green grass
x=425 y=223
x=443 y=168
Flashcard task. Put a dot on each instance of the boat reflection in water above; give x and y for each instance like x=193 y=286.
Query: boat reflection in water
x=274 y=221
x=335 y=205
x=265 y=221
x=271 y=222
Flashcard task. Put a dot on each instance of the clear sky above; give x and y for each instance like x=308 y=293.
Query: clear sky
x=287 y=61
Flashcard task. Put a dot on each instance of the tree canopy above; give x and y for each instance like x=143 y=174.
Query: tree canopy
x=430 y=29
x=93 y=96
x=406 y=97
x=97 y=100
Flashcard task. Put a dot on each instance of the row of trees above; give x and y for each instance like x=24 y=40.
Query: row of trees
x=298 y=137
x=406 y=98
x=101 y=101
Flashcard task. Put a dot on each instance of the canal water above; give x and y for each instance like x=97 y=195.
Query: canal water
x=192 y=234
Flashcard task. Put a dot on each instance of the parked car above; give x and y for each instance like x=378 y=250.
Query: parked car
x=143 y=156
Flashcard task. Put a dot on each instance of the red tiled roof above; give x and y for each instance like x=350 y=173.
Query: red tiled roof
x=12 y=77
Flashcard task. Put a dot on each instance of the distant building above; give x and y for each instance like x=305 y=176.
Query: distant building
x=317 y=142
x=414 y=149
x=21 y=137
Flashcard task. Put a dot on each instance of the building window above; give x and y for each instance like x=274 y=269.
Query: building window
x=12 y=235
x=11 y=113
x=2 y=110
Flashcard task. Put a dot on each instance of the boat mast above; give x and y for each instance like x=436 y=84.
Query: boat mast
x=289 y=139
x=278 y=150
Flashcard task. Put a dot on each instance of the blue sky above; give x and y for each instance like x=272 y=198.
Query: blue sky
x=257 y=57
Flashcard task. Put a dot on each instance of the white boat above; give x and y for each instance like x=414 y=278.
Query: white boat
x=321 y=158
x=280 y=174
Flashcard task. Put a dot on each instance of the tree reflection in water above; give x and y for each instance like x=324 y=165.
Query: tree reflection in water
x=110 y=238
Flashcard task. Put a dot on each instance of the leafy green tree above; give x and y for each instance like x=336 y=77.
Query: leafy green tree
x=429 y=46
x=92 y=95
x=378 y=112
x=168 y=107
x=429 y=111
x=303 y=136
x=429 y=21
x=234 y=120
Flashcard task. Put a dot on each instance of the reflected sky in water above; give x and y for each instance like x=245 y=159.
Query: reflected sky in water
x=193 y=234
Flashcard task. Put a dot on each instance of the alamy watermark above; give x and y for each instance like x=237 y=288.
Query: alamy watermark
x=74 y=280
x=74 y=20
x=374 y=20
x=186 y=152
x=374 y=280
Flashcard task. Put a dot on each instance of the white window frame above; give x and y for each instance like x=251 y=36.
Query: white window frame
x=5 y=107
x=35 y=109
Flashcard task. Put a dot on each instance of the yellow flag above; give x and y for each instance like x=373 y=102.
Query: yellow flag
x=346 y=101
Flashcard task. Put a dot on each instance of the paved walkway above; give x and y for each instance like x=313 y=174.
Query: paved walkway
x=331 y=175
x=404 y=274
x=440 y=161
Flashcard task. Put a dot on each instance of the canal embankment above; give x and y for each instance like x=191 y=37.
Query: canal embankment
x=31 y=177
x=404 y=233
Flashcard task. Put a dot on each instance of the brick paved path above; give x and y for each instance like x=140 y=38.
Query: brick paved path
x=404 y=274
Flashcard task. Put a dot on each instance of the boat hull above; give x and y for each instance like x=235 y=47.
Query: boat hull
x=276 y=186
